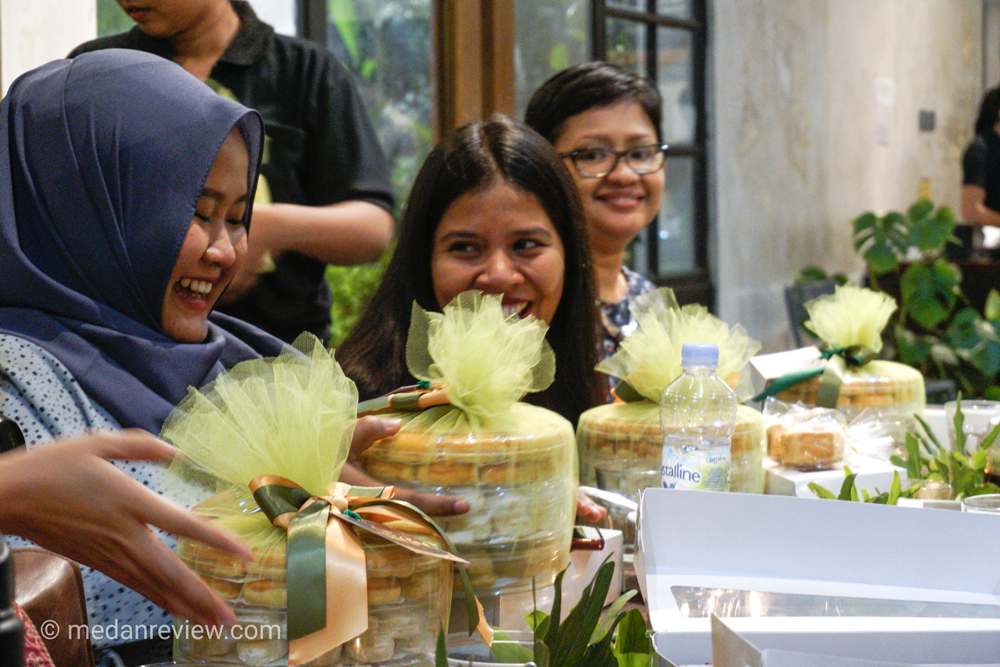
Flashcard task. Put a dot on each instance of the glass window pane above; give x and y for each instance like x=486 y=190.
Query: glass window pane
x=675 y=224
x=626 y=45
x=676 y=8
x=675 y=81
x=549 y=36
x=279 y=13
x=387 y=46
x=637 y=5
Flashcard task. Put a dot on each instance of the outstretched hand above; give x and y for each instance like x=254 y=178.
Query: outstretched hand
x=67 y=497
x=367 y=431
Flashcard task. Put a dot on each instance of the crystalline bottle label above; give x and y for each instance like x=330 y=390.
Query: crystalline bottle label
x=699 y=464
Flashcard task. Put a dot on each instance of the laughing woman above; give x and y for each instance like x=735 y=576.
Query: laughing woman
x=493 y=209
x=125 y=194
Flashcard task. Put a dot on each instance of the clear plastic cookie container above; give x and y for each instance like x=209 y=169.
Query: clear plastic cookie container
x=877 y=384
x=627 y=436
x=521 y=490
x=409 y=599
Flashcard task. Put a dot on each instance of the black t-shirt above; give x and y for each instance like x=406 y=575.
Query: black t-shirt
x=981 y=165
x=321 y=149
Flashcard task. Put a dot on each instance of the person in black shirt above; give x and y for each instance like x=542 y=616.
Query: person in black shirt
x=328 y=184
x=981 y=165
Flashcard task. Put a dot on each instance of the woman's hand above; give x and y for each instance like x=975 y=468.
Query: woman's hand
x=587 y=509
x=367 y=431
x=66 y=497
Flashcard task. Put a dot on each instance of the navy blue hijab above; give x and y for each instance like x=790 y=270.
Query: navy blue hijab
x=102 y=161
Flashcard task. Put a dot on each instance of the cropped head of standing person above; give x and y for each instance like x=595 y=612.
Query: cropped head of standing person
x=605 y=123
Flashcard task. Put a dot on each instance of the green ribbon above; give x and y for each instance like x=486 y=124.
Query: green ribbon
x=306 y=574
x=306 y=551
x=628 y=393
x=839 y=359
x=400 y=402
x=306 y=554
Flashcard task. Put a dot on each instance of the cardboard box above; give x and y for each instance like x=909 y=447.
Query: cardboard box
x=812 y=547
x=767 y=367
x=875 y=476
x=818 y=643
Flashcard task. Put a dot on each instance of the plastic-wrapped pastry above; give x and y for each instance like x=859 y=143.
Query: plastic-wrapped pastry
x=810 y=439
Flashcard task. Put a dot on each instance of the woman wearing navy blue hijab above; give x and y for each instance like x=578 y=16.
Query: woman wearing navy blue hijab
x=100 y=181
x=125 y=193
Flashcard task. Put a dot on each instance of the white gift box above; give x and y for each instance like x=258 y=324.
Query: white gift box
x=873 y=476
x=883 y=568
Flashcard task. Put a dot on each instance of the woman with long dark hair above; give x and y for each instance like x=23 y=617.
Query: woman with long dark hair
x=491 y=209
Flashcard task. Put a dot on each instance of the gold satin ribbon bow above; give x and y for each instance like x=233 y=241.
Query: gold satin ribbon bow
x=326 y=573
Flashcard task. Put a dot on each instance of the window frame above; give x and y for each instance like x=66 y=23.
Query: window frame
x=693 y=286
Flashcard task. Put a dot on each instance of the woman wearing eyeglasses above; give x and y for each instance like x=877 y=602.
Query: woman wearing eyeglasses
x=605 y=123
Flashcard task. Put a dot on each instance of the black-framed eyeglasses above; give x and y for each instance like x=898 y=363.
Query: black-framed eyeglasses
x=598 y=162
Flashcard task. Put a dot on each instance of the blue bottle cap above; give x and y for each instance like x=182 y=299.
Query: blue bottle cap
x=699 y=354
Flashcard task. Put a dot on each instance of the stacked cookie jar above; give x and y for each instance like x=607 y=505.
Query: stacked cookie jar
x=514 y=463
x=266 y=442
x=621 y=443
x=850 y=323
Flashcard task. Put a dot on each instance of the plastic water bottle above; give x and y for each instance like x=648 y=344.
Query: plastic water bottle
x=697 y=418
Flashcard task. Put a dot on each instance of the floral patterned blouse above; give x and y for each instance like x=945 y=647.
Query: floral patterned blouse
x=617 y=319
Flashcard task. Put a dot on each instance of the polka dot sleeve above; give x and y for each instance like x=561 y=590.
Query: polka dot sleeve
x=44 y=399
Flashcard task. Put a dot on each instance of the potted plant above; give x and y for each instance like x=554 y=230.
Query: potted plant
x=936 y=330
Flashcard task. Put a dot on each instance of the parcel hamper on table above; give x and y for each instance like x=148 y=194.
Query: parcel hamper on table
x=269 y=439
x=626 y=435
x=850 y=323
x=515 y=463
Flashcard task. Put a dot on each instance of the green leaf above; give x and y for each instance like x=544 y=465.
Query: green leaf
x=632 y=646
x=543 y=654
x=610 y=615
x=929 y=292
x=553 y=630
x=576 y=630
x=504 y=650
x=931 y=234
x=821 y=491
x=441 y=650
x=810 y=274
x=945 y=215
x=920 y=210
x=881 y=258
x=864 y=226
x=895 y=489
x=535 y=619
x=992 y=308
x=989 y=438
x=913 y=350
x=928 y=430
x=913 y=458
x=978 y=460
x=963 y=331
x=847 y=490
x=959 y=423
